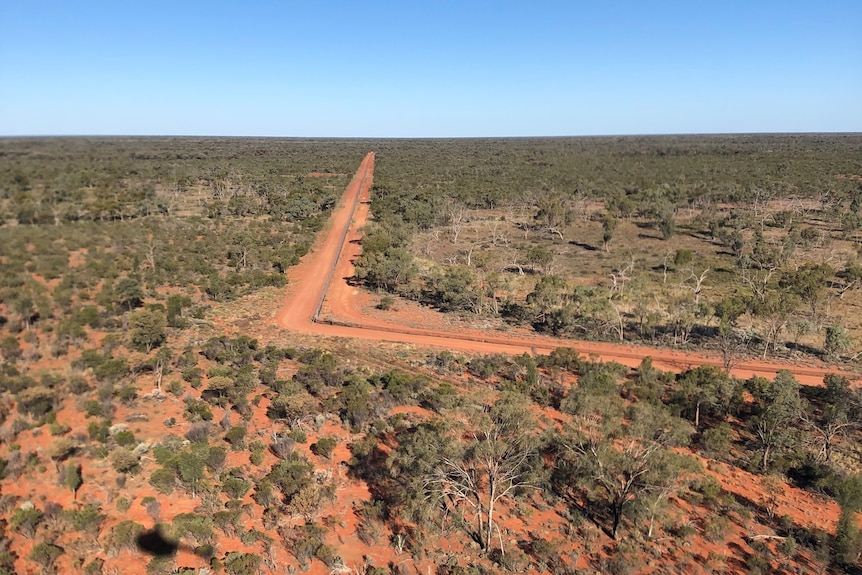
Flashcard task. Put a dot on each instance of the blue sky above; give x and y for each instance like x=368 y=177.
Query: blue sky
x=436 y=68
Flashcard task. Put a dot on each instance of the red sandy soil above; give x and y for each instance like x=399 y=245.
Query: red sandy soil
x=345 y=314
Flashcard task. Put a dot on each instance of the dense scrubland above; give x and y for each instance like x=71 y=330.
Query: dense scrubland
x=129 y=416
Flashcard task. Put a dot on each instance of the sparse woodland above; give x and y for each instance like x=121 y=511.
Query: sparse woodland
x=746 y=244
x=130 y=413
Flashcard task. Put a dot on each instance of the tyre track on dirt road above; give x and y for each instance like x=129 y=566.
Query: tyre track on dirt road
x=323 y=273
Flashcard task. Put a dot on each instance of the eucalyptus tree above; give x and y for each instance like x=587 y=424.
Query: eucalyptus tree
x=778 y=408
x=499 y=460
x=839 y=413
x=626 y=464
x=705 y=389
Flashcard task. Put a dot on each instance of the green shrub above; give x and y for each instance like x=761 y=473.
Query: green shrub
x=36 y=401
x=236 y=563
x=227 y=520
x=760 y=561
x=124 y=438
x=253 y=536
x=514 y=560
x=25 y=520
x=95 y=567
x=328 y=555
x=147 y=329
x=717 y=441
x=175 y=305
x=441 y=398
x=124 y=460
x=112 y=370
x=99 y=431
x=160 y=565
x=197 y=410
x=198 y=528
x=486 y=366
x=216 y=458
x=86 y=518
x=385 y=303
x=205 y=551
x=716 y=527
x=235 y=436
x=175 y=388
x=235 y=488
x=164 y=480
x=324 y=446
x=59 y=429
x=93 y=408
x=73 y=477
x=305 y=541
x=124 y=535
x=543 y=550
x=78 y=385
x=256 y=451
x=127 y=394
x=709 y=488
x=193 y=376
x=45 y=554
x=199 y=432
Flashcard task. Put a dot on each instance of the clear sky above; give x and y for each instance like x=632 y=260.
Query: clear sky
x=432 y=68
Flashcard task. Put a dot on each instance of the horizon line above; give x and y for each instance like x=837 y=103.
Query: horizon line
x=497 y=137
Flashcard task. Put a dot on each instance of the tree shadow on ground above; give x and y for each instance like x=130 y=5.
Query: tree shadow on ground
x=649 y=237
x=588 y=247
x=152 y=542
x=806 y=349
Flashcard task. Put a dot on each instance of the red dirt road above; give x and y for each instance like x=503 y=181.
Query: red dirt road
x=324 y=272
